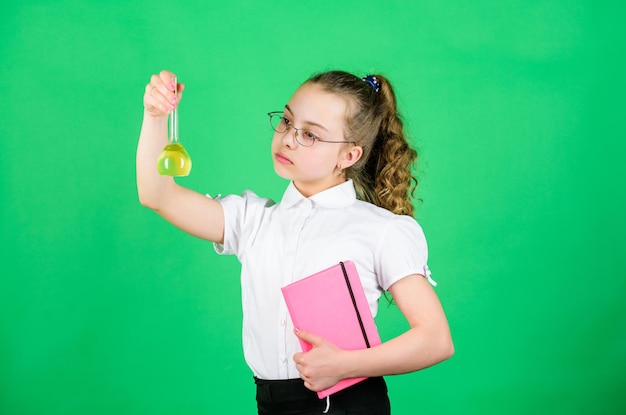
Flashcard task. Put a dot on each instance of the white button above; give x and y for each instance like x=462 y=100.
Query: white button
x=291 y=252
x=283 y=322
x=283 y=359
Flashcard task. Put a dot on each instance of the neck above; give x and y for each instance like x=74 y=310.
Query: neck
x=311 y=189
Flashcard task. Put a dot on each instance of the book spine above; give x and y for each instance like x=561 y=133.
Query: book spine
x=356 y=308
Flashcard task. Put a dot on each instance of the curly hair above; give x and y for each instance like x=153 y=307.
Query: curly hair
x=383 y=176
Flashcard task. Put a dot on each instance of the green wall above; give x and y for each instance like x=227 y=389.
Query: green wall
x=518 y=111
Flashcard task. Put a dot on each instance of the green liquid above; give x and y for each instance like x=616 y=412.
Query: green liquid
x=174 y=161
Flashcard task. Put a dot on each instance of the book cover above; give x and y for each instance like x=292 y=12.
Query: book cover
x=332 y=304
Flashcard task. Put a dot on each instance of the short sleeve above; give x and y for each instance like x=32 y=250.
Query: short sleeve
x=242 y=216
x=402 y=251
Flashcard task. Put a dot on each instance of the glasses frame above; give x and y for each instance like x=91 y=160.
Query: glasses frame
x=297 y=130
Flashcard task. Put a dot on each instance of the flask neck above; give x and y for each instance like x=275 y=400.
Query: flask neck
x=174 y=117
x=174 y=126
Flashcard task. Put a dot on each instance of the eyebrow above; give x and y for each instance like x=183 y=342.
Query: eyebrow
x=307 y=122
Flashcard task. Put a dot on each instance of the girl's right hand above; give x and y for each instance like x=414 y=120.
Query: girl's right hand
x=159 y=98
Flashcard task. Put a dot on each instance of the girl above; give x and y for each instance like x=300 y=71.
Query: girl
x=340 y=143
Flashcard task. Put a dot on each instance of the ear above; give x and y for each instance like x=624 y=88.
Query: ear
x=351 y=156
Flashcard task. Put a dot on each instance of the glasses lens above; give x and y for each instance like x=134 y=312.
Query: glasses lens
x=277 y=122
x=306 y=138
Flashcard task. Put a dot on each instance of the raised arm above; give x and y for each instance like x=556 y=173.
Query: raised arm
x=190 y=211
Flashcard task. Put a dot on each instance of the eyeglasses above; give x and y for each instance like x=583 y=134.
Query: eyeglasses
x=304 y=137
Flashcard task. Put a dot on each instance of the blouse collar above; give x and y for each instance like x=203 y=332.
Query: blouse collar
x=337 y=197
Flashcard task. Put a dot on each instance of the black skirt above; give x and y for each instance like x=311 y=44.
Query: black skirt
x=291 y=397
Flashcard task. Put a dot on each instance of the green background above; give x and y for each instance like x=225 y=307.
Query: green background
x=517 y=109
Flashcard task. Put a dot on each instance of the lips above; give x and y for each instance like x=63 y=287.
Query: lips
x=282 y=159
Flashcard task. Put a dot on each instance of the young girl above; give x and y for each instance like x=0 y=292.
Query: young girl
x=340 y=143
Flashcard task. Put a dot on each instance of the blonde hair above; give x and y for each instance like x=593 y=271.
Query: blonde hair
x=383 y=176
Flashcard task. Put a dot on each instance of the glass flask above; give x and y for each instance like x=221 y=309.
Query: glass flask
x=174 y=159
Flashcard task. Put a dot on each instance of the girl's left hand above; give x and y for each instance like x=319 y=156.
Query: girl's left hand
x=319 y=367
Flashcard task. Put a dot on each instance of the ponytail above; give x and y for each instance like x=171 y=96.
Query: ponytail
x=383 y=175
x=391 y=159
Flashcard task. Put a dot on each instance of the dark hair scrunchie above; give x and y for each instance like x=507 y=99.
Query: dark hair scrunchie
x=375 y=84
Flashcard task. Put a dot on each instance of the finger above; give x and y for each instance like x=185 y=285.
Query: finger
x=168 y=79
x=160 y=93
x=173 y=88
x=155 y=101
x=310 y=338
x=310 y=387
x=306 y=380
x=164 y=88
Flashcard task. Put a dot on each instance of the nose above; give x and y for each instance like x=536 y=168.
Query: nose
x=290 y=139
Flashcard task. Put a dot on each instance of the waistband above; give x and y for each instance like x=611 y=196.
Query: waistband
x=294 y=390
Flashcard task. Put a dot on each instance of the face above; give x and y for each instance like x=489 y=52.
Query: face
x=314 y=169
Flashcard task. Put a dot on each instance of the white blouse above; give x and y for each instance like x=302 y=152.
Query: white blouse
x=281 y=243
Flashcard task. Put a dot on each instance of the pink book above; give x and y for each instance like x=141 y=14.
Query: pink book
x=332 y=304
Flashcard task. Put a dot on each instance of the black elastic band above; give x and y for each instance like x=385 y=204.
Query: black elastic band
x=358 y=314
